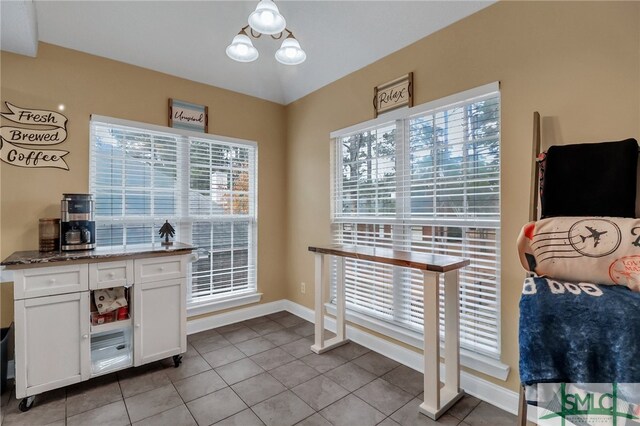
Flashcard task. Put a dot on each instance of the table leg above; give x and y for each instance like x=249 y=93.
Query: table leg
x=340 y=300
x=451 y=392
x=436 y=401
x=319 y=301
x=321 y=345
x=431 y=346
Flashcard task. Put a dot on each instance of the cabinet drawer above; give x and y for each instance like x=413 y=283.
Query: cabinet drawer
x=48 y=281
x=110 y=274
x=160 y=268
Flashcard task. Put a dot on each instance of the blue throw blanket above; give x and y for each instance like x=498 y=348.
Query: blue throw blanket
x=578 y=333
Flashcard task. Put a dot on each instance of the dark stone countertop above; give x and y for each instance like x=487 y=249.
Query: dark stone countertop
x=36 y=258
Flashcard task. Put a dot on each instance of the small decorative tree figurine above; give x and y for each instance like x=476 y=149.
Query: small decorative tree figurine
x=165 y=232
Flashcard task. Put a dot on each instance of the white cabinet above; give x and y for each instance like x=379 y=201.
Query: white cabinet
x=56 y=345
x=52 y=342
x=160 y=320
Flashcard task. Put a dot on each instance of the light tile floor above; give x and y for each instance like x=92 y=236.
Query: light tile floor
x=258 y=372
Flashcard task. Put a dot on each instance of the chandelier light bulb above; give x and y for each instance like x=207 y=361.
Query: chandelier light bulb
x=290 y=52
x=241 y=49
x=266 y=19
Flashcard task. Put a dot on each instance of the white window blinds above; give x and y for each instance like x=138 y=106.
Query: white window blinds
x=222 y=205
x=428 y=181
x=204 y=185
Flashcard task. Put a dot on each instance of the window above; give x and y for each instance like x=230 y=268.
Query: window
x=425 y=180
x=204 y=185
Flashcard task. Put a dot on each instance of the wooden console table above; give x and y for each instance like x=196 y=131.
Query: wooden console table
x=436 y=400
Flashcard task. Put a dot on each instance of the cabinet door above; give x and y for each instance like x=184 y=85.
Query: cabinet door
x=160 y=320
x=52 y=342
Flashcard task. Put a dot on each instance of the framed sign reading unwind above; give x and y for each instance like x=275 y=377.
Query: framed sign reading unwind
x=393 y=94
x=188 y=116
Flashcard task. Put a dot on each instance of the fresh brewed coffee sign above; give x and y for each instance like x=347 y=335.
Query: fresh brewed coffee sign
x=22 y=146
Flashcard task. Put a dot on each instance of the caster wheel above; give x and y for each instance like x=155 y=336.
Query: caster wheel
x=177 y=360
x=26 y=403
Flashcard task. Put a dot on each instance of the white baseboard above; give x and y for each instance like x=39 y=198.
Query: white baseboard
x=201 y=324
x=499 y=396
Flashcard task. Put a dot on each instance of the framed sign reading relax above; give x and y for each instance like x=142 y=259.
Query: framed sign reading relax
x=188 y=116
x=393 y=94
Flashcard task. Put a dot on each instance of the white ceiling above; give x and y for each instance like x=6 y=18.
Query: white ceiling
x=18 y=28
x=188 y=38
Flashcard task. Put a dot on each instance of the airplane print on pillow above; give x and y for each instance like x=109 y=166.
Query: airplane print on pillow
x=595 y=249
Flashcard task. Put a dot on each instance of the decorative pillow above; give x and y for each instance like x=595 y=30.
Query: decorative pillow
x=602 y=250
x=590 y=179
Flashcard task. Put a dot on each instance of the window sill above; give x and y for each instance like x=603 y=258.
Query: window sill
x=208 y=307
x=473 y=360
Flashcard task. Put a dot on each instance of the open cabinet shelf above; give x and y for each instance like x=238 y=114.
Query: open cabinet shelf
x=112 y=341
x=116 y=325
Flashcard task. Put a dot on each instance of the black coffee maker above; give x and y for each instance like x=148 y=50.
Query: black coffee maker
x=77 y=224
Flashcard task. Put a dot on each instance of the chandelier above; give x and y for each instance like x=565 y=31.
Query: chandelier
x=266 y=19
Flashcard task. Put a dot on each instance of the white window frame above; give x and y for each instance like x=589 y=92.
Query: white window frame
x=185 y=220
x=488 y=363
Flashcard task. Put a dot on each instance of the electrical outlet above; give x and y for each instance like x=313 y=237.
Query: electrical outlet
x=303 y=288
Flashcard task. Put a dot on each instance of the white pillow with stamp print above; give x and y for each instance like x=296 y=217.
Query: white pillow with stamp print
x=600 y=250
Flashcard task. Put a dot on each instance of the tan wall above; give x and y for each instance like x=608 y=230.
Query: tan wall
x=576 y=63
x=86 y=85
